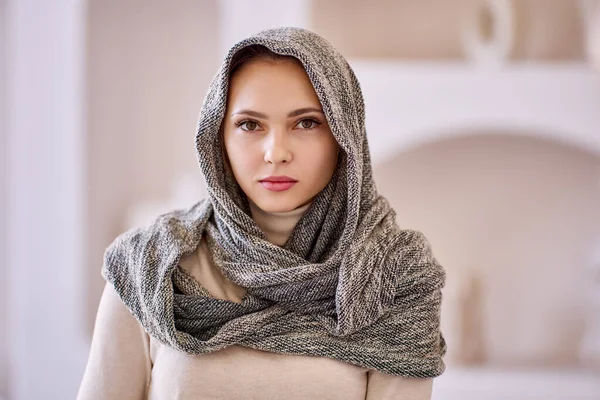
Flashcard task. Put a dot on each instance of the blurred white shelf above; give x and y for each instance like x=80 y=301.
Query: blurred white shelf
x=521 y=384
x=411 y=103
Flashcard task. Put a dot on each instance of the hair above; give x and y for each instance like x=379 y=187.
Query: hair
x=255 y=52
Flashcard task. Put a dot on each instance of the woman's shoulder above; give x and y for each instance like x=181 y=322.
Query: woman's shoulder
x=114 y=315
x=132 y=253
x=119 y=363
x=176 y=217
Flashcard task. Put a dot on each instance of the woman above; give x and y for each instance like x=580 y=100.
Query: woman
x=292 y=279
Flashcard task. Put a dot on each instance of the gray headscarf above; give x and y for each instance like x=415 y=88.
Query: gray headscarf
x=348 y=284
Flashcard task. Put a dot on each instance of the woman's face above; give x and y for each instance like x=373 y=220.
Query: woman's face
x=274 y=126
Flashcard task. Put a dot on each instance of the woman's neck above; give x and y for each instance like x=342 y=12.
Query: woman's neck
x=277 y=226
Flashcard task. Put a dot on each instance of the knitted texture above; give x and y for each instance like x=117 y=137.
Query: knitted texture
x=348 y=284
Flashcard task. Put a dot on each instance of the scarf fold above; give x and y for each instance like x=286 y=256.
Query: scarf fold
x=348 y=283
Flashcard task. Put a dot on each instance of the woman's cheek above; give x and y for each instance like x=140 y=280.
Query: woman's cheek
x=249 y=158
x=326 y=154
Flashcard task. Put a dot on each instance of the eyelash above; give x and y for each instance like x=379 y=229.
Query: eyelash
x=315 y=121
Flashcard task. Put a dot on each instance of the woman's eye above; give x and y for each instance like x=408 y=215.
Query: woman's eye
x=249 y=125
x=308 y=124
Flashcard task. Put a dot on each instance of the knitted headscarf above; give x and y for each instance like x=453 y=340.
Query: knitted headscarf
x=348 y=284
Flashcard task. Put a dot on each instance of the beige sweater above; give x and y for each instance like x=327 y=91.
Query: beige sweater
x=126 y=363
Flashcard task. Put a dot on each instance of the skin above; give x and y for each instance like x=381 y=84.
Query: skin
x=290 y=136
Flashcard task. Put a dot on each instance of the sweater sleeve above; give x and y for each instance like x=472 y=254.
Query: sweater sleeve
x=119 y=364
x=390 y=387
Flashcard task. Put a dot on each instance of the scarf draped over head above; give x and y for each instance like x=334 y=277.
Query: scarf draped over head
x=348 y=284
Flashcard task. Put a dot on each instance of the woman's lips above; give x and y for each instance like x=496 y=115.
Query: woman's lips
x=278 y=183
x=277 y=186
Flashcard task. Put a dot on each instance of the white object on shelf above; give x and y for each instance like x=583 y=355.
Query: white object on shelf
x=590 y=13
x=239 y=19
x=593 y=43
x=493 y=50
x=412 y=103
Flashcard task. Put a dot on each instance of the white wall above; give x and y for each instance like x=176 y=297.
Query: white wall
x=45 y=326
x=3 y=202
x=410 y=103
x=148 y=68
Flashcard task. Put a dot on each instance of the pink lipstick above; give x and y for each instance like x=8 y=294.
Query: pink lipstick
x=278 y=183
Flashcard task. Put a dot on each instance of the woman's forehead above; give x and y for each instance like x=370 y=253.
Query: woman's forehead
x=280 y=86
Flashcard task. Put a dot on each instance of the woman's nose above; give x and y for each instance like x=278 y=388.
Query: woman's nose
x=277 y=149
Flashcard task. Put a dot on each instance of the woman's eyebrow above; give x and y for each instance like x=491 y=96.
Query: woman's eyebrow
x=292 y=114
x=305 y=110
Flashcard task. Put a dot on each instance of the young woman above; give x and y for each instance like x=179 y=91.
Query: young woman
x=292 y=279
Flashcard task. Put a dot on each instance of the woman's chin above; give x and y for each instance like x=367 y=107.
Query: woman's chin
x=277 y=205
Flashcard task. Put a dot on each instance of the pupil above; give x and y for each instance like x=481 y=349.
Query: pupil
x=251 y=125
x=306 y=123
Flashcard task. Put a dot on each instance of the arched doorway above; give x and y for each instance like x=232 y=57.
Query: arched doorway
x=513 y=218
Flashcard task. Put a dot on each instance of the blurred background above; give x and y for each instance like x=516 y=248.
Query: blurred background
x=483 y=119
